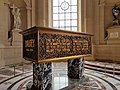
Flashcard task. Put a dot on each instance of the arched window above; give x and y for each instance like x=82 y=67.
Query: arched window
x=65 y=14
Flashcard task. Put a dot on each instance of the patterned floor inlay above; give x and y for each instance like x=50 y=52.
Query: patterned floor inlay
x=7 y=72
x=117 y=84
x=97 y=80
x=1 y=78
x=24 y=68
x=8 y=83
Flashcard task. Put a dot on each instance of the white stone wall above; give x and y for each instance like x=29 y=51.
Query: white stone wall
x=102 y=14
x=4 y=21
x=107 y=52
x=12 y=55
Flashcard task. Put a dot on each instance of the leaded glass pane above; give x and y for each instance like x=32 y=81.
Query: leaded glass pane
x=55 y=16
x=65 y=14
x=74 y=15
x=62 y=16
x=74 y=8
x=69 y=1
x=68 y=23
x=73 y=2
x=61 y=23
x=55 y=10
x=55 y=24
x=74 y=28
x=55 y=2
x=68 y=16
x=68 y=28
x=74 y=22
x=60 y=1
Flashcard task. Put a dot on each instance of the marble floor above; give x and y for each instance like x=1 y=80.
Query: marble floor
x=17 y=77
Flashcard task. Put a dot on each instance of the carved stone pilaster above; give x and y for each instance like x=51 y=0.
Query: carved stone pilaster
x=29 y=15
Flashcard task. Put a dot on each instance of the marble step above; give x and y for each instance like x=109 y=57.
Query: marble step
x=103 y=67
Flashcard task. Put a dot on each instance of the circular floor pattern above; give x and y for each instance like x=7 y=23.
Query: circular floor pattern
x=98 y=81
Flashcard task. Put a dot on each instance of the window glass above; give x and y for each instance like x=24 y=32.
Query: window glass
x=55 y=16
x=65 y=14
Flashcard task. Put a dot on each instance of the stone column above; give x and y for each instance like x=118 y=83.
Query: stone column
x=89 y=14
x=4 y=25
x=4 y=22
x=76 y=68
x=29 y=23
x=102 y=22
x=42 y=13
x=85 y=16
x=33 y=12
x=29 y=12
x=42 y=76
x=96 y=22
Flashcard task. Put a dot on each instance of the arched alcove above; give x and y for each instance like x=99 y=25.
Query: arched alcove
x=22 y=6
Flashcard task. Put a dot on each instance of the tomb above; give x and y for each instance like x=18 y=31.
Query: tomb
x=43 y=45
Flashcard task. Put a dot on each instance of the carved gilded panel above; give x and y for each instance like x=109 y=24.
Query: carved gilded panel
x=57 y=45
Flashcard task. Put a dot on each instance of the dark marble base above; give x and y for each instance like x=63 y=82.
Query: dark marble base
x=42 y=73
x=32 y=87
x=42 y=76
x=75 y=68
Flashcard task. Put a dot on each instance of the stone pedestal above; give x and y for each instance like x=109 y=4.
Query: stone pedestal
x=42 y=76
x=16 y=37
x=76 y=68
x=113 y=35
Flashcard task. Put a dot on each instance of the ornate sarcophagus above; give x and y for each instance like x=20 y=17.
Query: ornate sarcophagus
x=44 y=45
x=41 y=44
